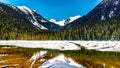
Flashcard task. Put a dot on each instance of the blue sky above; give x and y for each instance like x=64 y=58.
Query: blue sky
x=57 y=9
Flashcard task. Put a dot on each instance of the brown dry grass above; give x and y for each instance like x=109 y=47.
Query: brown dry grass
x=91 y=59
x=18 y=59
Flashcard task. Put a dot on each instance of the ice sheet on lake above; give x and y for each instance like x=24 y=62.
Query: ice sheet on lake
x=66 y=45
x=100 y=45
x=59 y=45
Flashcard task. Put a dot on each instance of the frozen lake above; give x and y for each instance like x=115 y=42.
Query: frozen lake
x=66 y=45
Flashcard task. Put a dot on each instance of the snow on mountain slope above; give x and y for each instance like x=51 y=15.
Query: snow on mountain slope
x=61 y=62
x=74 y=18
x=29 y=16
x=106 y=9
x=33 y=20
x=61 y=23
x=27 y=12
x=25 y=9
x=65 y=22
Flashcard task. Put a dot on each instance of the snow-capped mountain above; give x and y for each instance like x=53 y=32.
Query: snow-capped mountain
x=107 y=9
x=65 y=22
x=33 y=18
x=28 y=15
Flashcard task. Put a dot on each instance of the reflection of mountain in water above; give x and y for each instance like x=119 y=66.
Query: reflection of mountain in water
x=60 y=62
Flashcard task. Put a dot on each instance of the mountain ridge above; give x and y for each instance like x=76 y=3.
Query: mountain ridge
x=30 y=16
x=106 y=9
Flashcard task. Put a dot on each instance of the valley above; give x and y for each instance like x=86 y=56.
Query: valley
x=29 y=40
x=23 y=23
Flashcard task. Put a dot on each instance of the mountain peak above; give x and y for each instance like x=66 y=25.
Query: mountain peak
x=25 y=9
x=65 y=22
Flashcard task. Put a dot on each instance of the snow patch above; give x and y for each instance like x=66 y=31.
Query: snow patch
x=44 y=28
x=61 y=23
x=111 y=14
x=53 y=20
x=102 y=17
x=116 y=2
x=43 y=21
x=24 y=9
x=37 y=24
x=115 y=8
x=74 y=18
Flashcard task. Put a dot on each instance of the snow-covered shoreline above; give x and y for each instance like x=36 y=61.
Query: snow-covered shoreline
x=100 y=45
x=59 y=45
x=65 y=45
